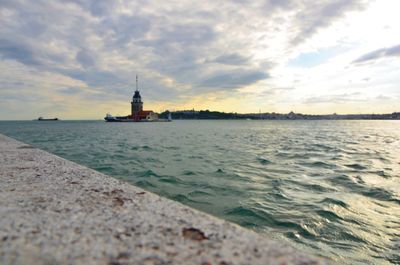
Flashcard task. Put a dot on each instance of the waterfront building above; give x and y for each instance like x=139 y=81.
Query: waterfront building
x=137 y=112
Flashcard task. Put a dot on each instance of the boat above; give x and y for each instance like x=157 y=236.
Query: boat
x=51 y=119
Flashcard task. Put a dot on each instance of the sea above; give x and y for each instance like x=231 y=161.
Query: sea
x=331 y=188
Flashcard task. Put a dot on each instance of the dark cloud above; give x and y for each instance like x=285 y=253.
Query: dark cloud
x=155 y=90
x=316 y=15
x=125 y=28
x=183 y=34
x=233 y=79
x=33 y=33
x=378 y=54
x=19 y=51
x=183 y=67
x=96 y=7
x=230 y=59
x=384 y=97
x=178 y=51
x=95 y=78
x=32 y=54
x=280 y=4
x=85 y=58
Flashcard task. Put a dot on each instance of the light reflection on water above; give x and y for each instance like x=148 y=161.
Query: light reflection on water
x=330 y=187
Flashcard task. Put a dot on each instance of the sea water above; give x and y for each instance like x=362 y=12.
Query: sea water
x=331 y=188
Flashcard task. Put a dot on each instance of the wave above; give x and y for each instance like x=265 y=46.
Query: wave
x=184 y=199
x=147 y=148
x=145 y=184
x=312 y=187
x=263 y=161
x=199 y=193
x=330 y=215
x=248 y=217
x=381 y=194
x=356 y=166
x=171 y=180
x=358 y=186
x=188 y=173
x=146 y=174
x=337 y=202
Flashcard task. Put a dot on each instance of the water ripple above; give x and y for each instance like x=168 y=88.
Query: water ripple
x=331 y=187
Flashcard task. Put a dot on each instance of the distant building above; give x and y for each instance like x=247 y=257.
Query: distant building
x=291 y=115
x=137 y=112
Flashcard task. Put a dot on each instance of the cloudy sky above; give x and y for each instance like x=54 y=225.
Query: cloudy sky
x=77 y=59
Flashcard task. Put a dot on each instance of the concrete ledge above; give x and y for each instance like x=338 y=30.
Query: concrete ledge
x=54 y=211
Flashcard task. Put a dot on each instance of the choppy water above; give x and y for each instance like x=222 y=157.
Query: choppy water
x=330 y=187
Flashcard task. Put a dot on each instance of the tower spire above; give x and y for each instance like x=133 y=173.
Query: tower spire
x=137 y=83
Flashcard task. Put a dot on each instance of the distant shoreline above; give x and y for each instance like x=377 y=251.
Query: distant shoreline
x=216 y=115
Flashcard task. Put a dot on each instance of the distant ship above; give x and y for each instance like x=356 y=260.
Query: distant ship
x=51 y=119
x=137 y=112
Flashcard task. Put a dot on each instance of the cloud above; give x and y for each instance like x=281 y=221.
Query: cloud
x=70 y=90
x=19 y=51
x=281 y=4
x=384 y=97
x=230 y=59
x=180 y=49
x=232 y=79
x=95 y=78
x=96 y=8
x=314 y=16
x=85 y=58
x=338 y=98
x=112 y=38
x=178 y=37
x=124 y=28
x=393 y=51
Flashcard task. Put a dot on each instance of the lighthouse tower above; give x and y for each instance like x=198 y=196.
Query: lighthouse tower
x=136 y=104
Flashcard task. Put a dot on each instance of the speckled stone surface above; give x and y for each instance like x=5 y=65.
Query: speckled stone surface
x=54 y=211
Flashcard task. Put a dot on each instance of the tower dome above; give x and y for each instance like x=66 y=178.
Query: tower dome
x=136 y=95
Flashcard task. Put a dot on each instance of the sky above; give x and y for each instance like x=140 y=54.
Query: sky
x=77 y=59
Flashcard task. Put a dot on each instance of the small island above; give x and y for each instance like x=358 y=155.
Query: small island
x=137 y=112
